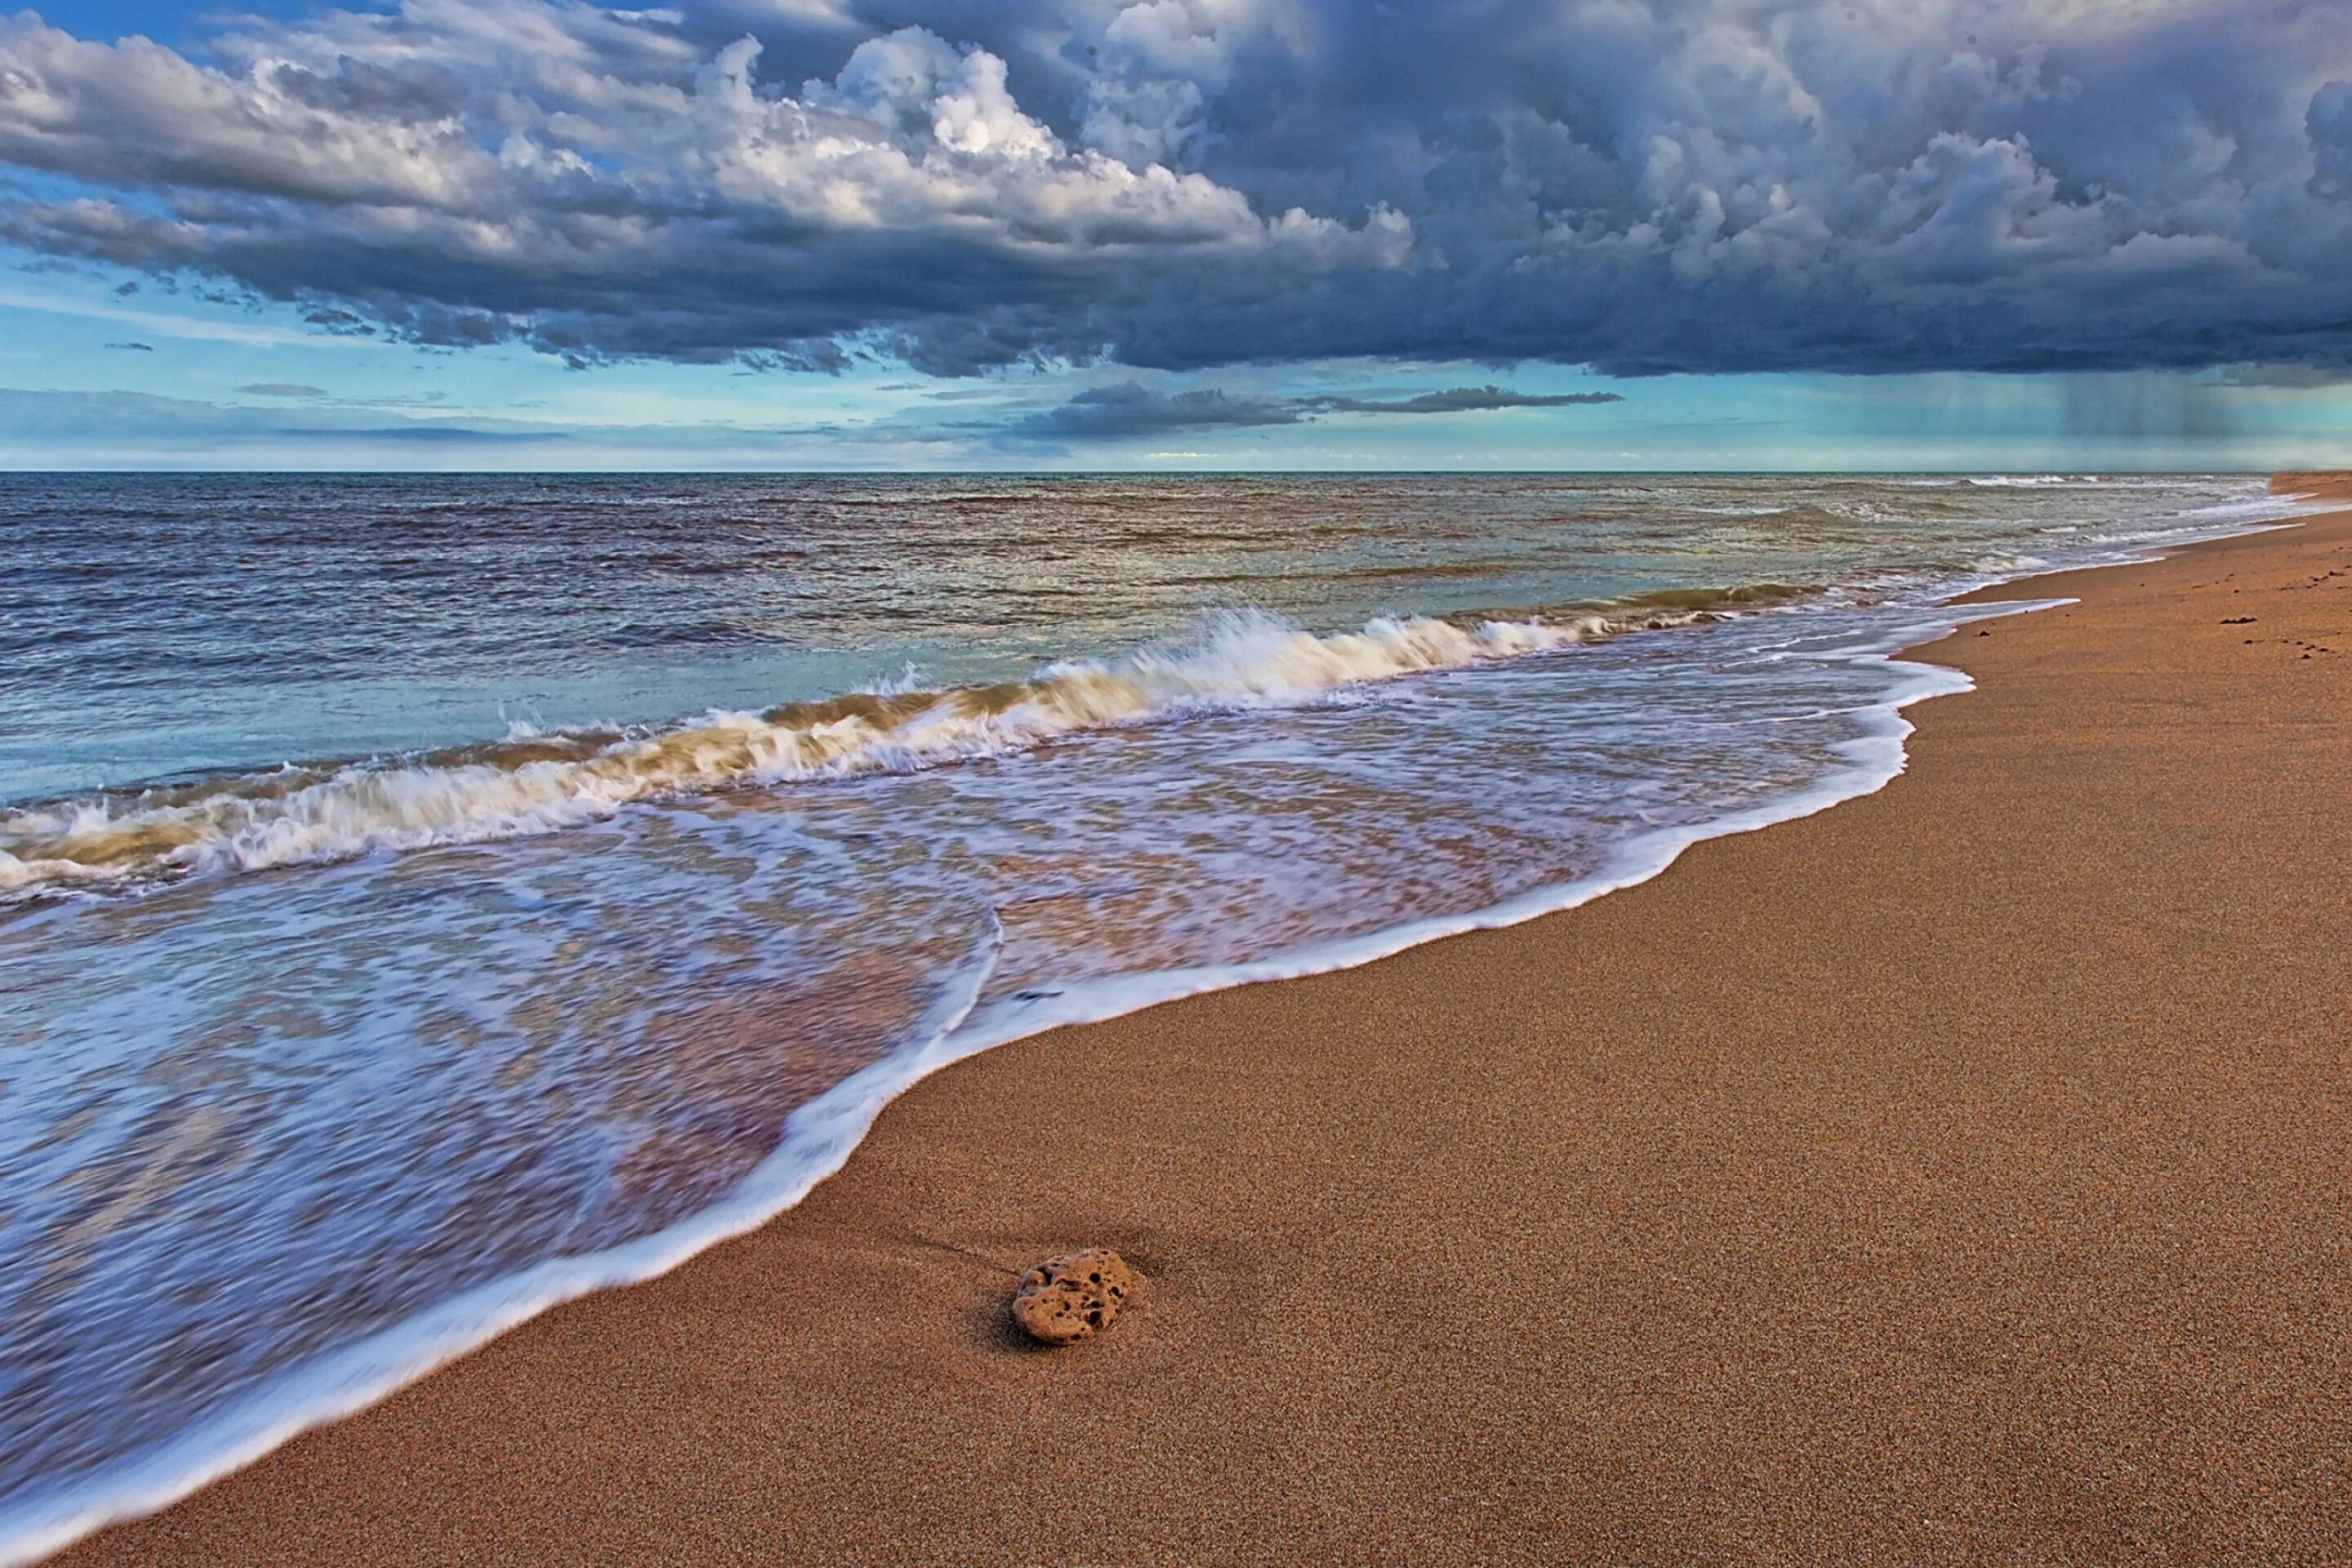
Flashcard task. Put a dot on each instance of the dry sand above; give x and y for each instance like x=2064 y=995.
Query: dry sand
x=1962 y=1175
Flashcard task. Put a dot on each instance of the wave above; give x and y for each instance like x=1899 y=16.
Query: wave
x=535 y=783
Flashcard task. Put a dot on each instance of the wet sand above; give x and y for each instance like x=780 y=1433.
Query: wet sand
x=1962 y=1175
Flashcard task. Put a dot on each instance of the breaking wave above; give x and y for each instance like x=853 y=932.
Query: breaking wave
x=533 y=783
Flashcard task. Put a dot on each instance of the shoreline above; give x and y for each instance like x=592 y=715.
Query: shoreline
x=242 y=1517
x=826 y=1132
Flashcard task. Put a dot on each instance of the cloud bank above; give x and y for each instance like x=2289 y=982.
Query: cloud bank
x=1642 y=186
x=1463 y=399
x=1130 y=408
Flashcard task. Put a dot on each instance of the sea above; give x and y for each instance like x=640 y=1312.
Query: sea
x=426 y=898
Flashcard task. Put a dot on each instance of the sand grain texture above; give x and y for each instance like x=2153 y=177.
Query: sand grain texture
x=1957 y=1176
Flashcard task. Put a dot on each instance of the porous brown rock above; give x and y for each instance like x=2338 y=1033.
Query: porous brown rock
x=1075 y=1296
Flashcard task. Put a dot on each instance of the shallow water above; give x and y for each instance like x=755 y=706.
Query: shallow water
x=423 y=899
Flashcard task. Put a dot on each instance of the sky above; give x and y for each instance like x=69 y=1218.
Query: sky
x=1178 y=234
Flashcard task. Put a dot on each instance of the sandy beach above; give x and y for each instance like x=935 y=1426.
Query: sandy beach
x=1957 y=1176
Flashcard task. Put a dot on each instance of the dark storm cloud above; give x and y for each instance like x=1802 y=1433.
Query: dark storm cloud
x=1463 y=399
x=134 y=348
x=1130 y=408
x=1674 y=185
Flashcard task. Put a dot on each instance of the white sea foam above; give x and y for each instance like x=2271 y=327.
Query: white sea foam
x=534 y=782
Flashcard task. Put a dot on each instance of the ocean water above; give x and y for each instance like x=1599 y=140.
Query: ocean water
x=423 y=900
